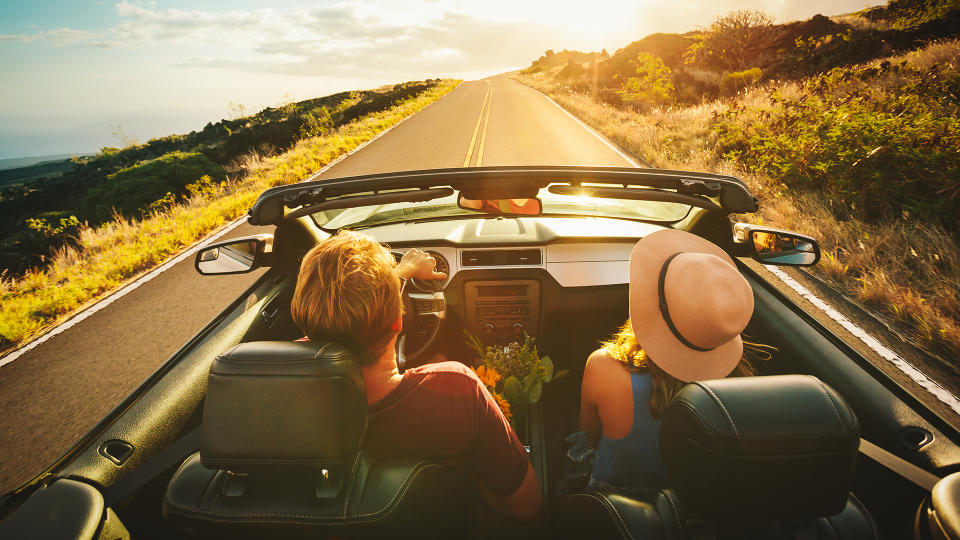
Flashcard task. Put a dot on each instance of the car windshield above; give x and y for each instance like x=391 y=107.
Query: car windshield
x=553 y=204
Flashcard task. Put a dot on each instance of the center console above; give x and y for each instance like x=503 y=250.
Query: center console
x=501 y=311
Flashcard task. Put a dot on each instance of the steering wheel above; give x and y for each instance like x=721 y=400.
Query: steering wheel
x=424 y=306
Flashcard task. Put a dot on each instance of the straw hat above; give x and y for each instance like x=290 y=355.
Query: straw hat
x=688 y=305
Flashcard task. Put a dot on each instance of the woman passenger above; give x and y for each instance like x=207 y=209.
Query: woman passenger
x=688 y=306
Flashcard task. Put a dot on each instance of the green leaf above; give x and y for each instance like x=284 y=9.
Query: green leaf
x=513 y=392
x=560 y=373
x=547 y=374
x=474 y=343
x=533 y=395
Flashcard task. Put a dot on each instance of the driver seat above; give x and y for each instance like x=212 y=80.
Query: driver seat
x=280 y=455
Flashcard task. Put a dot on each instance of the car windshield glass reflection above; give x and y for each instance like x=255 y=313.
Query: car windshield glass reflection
x=553 y=204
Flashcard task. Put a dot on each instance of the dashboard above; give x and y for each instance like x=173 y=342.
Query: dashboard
x=506 y=276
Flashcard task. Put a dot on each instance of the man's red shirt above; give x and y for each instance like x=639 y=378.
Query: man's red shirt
x=442 y=411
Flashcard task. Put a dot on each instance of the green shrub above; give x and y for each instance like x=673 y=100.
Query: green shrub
x=652 y=85
x=135 y=188
x=731 y=83
x=881 y=141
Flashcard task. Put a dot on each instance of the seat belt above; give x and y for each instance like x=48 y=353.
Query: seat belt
x=902 y=467
x=170 y=456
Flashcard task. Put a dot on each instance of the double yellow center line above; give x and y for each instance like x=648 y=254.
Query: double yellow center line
x=484 y=119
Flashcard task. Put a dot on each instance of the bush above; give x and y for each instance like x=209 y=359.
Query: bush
x=881 y=141
x=135 y=188
x=731 y=83
x=652 y=85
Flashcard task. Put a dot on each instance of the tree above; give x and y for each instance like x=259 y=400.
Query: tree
x=652 y=85
x=735 y=41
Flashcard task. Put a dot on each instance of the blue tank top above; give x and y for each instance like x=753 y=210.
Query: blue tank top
x=634 y=461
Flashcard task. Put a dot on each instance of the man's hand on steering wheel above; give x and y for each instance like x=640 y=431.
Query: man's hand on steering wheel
x=418 y=264
x=419 y=305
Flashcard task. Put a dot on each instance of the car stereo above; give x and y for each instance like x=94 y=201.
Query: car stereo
x=501 y=311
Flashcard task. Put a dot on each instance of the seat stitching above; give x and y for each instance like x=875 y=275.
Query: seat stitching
x=722 y=407
x=676 y=509
x=864 y=511
x=611 y=509
x=836 y=409
x=353 y=475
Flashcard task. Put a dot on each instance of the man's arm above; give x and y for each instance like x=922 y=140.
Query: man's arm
x=502 y=470
x=525 y=503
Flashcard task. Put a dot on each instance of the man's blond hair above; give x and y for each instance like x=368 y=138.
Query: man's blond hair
x=348 y=291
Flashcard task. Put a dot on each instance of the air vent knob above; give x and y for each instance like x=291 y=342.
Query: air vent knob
x=518 y=328
x=488 y=328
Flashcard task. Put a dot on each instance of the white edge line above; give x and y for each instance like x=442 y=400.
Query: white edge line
x=603 y=139
x=917 y=376
x=110 y=298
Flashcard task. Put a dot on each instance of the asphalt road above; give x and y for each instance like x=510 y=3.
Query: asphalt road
x=54 y=393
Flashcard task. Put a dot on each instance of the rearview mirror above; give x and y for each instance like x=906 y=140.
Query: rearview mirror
x=776 y=247
x=502 y=207
x=236 y=256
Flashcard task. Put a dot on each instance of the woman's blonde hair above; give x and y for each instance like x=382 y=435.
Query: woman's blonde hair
x=348 y=291
x=624 y=348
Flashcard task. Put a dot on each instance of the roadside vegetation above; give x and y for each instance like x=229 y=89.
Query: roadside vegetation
x=863 y=155
x=162 y=204
x=40 y=213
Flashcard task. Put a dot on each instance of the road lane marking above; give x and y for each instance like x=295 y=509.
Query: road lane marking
x=486 y=124
x=123 y=291
x=914 y=374
x=476 y=130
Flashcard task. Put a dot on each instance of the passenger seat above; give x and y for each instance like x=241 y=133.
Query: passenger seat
x=750 y=457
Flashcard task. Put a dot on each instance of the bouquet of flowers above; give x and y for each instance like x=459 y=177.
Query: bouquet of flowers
x=514 y=374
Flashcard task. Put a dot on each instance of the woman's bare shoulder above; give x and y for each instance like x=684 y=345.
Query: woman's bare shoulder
x=599 y=362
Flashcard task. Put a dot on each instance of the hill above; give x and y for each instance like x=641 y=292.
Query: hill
x=702 y=70
x=43 y=206
x=846 y=128
x=94 y=260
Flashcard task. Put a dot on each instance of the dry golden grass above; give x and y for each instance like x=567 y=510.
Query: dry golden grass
x=906 y=269
x=110 y=255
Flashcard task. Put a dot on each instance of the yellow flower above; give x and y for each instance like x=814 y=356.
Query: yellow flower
x=488 y=376
x=504 y=406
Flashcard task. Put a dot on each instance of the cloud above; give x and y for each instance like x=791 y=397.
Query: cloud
x=367 y=37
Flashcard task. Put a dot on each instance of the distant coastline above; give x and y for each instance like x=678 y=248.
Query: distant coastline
x=19 y=162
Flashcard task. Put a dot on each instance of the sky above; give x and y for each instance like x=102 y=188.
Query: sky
x=79 y=75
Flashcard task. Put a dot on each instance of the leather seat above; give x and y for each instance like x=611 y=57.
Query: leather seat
x=280 y=456
x=757 y=457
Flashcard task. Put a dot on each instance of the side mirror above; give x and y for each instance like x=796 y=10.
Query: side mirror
x=236 y=256
x=774 y=246
x=502 y=207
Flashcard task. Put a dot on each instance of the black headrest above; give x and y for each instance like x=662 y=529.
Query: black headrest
x=283 y=405
x=760 y=448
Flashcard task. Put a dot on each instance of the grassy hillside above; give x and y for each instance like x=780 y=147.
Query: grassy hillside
x=101 y=258
x=40 y=215
x=863 y=156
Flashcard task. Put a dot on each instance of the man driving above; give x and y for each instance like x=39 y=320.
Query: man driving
x=348 y=291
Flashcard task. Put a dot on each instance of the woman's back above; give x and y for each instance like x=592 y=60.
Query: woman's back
x=628 y=451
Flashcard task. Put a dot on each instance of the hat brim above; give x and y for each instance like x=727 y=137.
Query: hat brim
x=652 y=332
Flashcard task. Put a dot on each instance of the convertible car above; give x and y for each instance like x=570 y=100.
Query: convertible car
x=245 y=432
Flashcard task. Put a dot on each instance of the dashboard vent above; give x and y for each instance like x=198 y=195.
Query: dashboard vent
x=501 y=257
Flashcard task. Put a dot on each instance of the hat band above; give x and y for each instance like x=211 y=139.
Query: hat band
x=665 y=311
